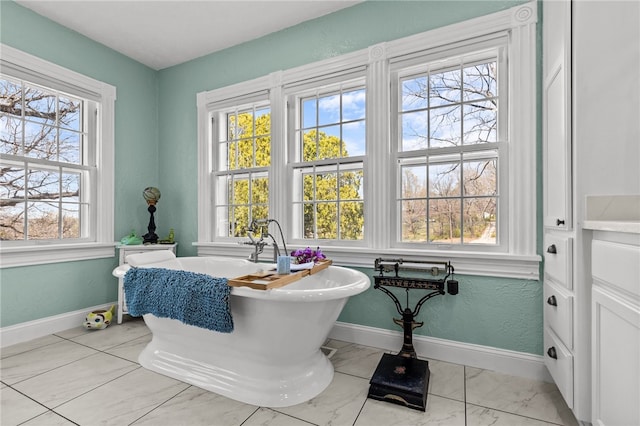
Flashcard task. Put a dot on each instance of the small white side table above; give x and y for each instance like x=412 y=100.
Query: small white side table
x=126 y=250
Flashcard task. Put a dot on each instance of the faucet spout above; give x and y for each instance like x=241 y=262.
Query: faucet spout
x=261 y=226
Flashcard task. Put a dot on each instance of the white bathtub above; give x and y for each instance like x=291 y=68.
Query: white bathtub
x=273 y=356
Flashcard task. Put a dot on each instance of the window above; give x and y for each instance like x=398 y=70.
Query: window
x=328 y=175
x=451 y=131
x=423 y=147
x=244 y=157
x=56 y=163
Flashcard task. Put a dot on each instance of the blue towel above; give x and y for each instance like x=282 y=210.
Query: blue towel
x=193 y=298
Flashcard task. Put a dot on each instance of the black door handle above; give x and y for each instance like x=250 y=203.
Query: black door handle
x=552 y=352
x=552 y=249
x=552 y=301
x=559 y=222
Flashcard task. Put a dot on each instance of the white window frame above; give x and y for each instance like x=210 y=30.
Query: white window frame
x=17 y=64
x=518 y=258
x=495 y=47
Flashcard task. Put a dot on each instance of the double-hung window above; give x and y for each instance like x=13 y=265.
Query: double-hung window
x=243 y=157
x=419 y=148
x=56 y=163
x=450 y=144
x=327 y=144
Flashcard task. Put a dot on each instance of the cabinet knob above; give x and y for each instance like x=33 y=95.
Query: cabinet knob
x=552 y=301
x=552 y=352
x=552 y=249
x=559 y=222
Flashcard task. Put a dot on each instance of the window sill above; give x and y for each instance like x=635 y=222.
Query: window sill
x=44 y=253
x=465 y=263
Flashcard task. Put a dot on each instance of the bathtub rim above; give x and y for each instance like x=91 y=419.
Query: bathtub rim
x=359 y=282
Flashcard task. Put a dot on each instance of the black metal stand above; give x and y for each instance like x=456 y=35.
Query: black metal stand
x=403 y=378
x=151 y=237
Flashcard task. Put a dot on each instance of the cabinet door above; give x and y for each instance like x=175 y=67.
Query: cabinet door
x=557 y=114
x=616 y=359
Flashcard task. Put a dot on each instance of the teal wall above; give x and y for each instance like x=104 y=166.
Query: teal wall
x=28 y=293
x=162 y=150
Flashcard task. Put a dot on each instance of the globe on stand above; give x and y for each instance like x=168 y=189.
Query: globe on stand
x=151 y=196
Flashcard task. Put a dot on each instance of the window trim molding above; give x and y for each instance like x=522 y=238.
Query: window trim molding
x=44 y=252
x=521 y=259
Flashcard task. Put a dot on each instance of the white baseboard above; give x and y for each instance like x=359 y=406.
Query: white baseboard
x=501 y=360
x=30 y=330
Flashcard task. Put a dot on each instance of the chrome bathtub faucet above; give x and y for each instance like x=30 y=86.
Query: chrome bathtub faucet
x=261 y=227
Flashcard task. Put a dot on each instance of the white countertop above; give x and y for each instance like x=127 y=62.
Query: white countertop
x=630 y=226
x=616 y=213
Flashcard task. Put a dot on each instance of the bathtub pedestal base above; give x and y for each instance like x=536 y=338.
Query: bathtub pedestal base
x=255 y=381
x=401 y=380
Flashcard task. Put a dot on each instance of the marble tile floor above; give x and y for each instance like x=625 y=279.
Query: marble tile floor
x=81 y=377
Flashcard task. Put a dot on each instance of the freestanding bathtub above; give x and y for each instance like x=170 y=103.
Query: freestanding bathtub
x=273 y=356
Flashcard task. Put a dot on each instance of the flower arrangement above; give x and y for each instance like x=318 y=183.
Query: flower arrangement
x=307 y=255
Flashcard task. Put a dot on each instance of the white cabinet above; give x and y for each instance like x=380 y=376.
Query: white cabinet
x=557 y=114
x=124 y=252
x=616 y=328
x=562 y=300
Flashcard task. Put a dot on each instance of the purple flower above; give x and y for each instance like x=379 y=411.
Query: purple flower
x=308 y=255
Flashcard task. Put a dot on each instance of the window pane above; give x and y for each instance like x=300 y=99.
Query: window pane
x=263 y=151
x=12 y=216
x=353 y=105
x=352 y=220
x=444 y=126
x=42 y=221
x=480 y=177
x=224 y=226
x=480 y=81
x=444 y=179
x=326 y=186
x=11 y=98
x=354 y=139
x=328 y=110
x=444 y=88
x=415 y=94
x=480 y=220
x=240 y=215
x=327 y=220
x=309 y=220
x=310 y=145
x=481 y=122
x=43 y=185
x=415 y=130
x=330 y=143
x=309 y=113
x=414 y=220
x=263 y=122
x=70 y=146
x=69 y=114
x=309 y=190
x=40 y=141
x=444 y=221
x=260 y=190
x=240 y=191
x=351 y=185
x=414 y=181
x=10 y=135
x=40 y=106
x=71 y=187
x=70 y=220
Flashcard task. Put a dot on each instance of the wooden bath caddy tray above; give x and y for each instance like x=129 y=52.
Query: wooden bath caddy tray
x=270 y=279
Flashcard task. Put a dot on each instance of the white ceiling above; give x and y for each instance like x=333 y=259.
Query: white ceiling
x=162 y=33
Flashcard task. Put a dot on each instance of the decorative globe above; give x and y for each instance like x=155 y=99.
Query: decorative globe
x=151 y=195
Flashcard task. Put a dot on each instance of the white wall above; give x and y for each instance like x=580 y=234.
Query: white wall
x=607 y=97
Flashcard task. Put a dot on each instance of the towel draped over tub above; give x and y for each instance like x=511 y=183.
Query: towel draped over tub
x=192 y=298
